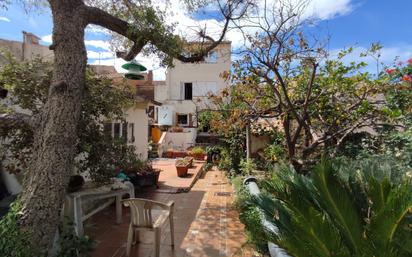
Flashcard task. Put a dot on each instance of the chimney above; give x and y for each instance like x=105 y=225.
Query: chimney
x=150 y=77
x=30 y=38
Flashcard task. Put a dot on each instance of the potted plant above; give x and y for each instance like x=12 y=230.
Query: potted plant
x=143 y=174
x=147 y=175
x=198 y=153
x=189 y=159
x=182 y=166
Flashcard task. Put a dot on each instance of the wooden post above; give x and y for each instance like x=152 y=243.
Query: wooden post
x=248 y=141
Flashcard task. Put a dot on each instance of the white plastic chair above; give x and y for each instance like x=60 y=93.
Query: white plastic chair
x=142 y=219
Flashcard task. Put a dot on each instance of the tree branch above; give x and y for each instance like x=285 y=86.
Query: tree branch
x=9 y=121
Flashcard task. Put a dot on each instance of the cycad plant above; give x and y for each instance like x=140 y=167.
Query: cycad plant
x=328 y=214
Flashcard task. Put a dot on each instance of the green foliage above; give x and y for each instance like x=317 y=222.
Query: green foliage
x=105 y=157
x=274 y=152
x=339 y=213
x=203 y=120
x=197 y=150
x=250 y=216
x=247 y=166
x=13 y=241
x=72 y=245
x=225 y=161
x=399 y=89
x=208 y=166
x=28 y=84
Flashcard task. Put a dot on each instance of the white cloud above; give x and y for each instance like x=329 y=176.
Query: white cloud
x=99 y=55
x=98 y=44
x=187 y=26
x=327 y=9
x=95 y=43
x=4 y=19
x=94 y=29
x=47 y=39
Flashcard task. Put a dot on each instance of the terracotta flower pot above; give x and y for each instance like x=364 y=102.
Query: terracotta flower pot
x=182 y=171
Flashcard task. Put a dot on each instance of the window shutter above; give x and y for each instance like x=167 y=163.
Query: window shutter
x=190 y=120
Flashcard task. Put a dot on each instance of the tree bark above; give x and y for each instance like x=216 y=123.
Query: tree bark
x=55 y=138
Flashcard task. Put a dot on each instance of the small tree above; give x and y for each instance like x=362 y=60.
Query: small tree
x=283 y=75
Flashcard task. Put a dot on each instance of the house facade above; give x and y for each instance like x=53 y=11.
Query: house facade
x=135 y=127
x=185 y=95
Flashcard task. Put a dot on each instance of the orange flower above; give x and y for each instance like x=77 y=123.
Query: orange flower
x=390 y=71
x=406 y=77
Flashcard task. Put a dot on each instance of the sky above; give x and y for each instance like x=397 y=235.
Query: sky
x=346 y=23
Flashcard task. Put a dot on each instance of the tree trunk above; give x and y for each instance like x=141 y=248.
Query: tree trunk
x=56 y=134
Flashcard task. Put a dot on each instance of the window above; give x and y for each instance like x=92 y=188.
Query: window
x=116 y=130
x=183 y=119
x=120 y=130
x=188 y=91
x=107 y=129
x=211 y=57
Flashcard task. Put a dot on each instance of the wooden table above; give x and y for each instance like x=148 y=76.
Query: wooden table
x=74 y=202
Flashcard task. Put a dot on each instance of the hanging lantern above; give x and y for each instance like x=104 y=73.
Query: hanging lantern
x=135 y=70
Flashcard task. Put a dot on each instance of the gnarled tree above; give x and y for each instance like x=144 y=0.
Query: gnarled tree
x=57 y=123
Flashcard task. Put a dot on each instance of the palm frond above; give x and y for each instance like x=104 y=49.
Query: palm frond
x=386 y=223
x=335 y=199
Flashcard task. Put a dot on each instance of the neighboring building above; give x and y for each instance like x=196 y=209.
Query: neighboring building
x=185 y=93
x=135 y=127
x=26 y=50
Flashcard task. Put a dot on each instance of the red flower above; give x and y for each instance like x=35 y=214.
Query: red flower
x=406 y=77
x=410 y=60
x=390 y=71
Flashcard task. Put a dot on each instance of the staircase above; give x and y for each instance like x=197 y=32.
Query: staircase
x=157 y=148
x=154 y=152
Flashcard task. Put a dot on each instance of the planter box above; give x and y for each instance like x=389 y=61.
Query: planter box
x=182 y=171
x=146 y=179
x=179 y=154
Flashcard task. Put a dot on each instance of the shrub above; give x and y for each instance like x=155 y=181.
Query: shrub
x=198 y=151
x=13 y=241
x=72 y=245
x=336 y=213
x=250 y=216
x=247 y=167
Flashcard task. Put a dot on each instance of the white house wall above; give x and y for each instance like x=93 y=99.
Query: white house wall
x=204 y=76
x=180 y=140
x=139 y=117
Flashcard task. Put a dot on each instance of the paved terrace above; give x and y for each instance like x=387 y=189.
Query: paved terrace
x=169 y=182
x=206 y=224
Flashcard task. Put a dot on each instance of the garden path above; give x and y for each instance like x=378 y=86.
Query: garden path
x=206 y=224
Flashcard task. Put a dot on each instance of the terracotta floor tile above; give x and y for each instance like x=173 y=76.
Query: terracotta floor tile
x=206 y=223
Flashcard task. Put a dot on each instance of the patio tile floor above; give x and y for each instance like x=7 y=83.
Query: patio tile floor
x=169 y=182
x=206 y=224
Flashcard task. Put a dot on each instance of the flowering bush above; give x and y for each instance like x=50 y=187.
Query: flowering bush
x=402 y=72
x=398 y=95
